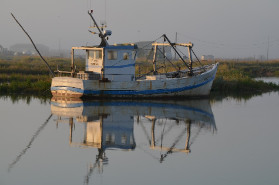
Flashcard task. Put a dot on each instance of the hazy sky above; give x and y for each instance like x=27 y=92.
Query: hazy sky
x=223 y=28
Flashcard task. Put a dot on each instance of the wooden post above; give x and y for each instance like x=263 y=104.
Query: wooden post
x=71 y=123
x=73 y=63
x=190 y=60
x=154 y=60
x=187 y=145
x=153 y=133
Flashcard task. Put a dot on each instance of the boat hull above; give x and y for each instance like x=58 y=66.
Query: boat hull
x=194 y=86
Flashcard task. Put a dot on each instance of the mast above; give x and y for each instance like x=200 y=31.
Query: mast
x=190 y=60
x=101 y=35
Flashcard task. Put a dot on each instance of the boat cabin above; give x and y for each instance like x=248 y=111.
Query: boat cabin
x=109 y=63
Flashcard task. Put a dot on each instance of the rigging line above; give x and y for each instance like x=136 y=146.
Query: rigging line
x=195 y=137
x=149 y=72
x=162 y=135
x=150 y=52
x=168 y=60
x=181 y=52
x=197 y=134
x=166 y=132
x=29 y=144
x=198 y=60
x=174 y=144
x=172 y=45
x=145 y=132
x=149 y=153
x=164 y=58
x=151 y=42
x=232 y=46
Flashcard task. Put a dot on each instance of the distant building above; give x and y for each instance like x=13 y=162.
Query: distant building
x=207 y=57
x=28 y=49
x=4 y=52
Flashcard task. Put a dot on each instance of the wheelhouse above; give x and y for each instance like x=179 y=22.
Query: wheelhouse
x=109 y=63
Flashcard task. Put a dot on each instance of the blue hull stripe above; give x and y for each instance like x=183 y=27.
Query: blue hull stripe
x=112 y=67
x=131 y=92
x=116 y=67
x=134 y=104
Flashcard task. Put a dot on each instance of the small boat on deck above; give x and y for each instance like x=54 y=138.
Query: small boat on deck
x=110 y=72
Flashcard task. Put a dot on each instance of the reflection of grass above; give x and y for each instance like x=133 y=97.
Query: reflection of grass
x=27 y=98
x=29 y=75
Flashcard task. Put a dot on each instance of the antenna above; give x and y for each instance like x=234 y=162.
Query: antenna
x=105 y=10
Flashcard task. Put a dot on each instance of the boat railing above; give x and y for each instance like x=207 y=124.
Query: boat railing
x=84 y=75
x=88 y=75
x=175 y=74
x=63 y=73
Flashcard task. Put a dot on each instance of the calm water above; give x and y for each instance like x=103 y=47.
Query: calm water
x=269 y=79
x=147 y=142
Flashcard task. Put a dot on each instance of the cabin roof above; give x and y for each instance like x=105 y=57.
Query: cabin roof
x=115 y=46
x=124 y=47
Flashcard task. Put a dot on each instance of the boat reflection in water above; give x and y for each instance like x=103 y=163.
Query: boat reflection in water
x=110 y=124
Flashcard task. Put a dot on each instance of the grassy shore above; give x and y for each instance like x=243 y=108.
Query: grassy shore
x=236 y=78
x=29 y=75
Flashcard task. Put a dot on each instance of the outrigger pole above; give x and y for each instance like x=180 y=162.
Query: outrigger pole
x=34 y=46
x=190 y=45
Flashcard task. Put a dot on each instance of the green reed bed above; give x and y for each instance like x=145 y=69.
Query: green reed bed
x=237 y=77
x=29 y=75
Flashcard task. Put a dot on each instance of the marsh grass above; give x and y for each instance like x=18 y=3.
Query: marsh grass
x=237 y=77
x=29 y=75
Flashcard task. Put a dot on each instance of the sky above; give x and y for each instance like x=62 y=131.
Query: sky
x=223 y=28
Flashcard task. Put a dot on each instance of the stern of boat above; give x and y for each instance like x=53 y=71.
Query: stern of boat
x=67 y=87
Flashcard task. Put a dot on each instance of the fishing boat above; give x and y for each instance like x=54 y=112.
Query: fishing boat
x=110 y=71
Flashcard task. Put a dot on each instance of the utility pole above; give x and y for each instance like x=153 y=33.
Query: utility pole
x=267 y=48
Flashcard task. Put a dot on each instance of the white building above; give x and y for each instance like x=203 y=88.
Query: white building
x=207 y=57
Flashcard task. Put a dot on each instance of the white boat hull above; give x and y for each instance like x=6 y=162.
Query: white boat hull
x=194 y=86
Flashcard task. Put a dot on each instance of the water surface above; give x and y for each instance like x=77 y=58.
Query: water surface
x=143 y=142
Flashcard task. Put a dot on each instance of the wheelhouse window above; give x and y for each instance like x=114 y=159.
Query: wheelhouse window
x=112 y=55
x=125 y=56
x=95 y=54
x=98 y=54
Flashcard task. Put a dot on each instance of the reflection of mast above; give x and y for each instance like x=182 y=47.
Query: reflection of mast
x=30 y=143
x=102 y=132
x=101 y=159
